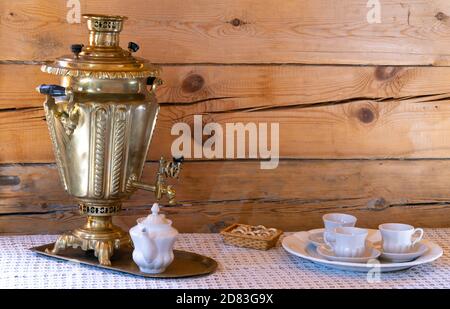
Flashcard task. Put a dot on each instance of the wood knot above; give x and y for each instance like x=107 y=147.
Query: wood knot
x=385 y=73
x=193 y=83
x=236 y=22
x=377 y=204
x=9 y=180
x=365 y=115
x=441 y=16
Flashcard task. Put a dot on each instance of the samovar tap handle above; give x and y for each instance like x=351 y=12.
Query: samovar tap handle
x=166 y=170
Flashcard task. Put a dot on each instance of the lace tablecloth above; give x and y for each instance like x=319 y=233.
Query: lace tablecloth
x=238 y=268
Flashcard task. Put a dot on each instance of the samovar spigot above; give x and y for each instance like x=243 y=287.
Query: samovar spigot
x=166 y=169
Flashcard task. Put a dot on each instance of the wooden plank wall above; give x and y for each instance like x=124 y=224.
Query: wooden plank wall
x=363 y=109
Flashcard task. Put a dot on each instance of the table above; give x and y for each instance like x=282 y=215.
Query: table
x=238 y=268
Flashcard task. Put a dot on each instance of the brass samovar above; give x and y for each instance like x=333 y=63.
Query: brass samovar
x=101 y=120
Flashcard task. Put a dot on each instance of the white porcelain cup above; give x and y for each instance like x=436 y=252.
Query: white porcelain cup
x=398 y=237
x=350 y=241
x=334 y=220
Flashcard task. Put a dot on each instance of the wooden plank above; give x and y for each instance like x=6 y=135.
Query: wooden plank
x=212 y=195
x=18 y=84
x=201 y=219
x=347 y=118
x=352 y=130
x=236 y=87
x=225 y=88
x=360 y=129
x=242 y=31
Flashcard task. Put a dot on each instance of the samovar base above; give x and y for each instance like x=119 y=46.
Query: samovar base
x=98 y=234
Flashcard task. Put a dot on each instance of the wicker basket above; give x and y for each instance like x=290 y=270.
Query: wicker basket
x=249 y=241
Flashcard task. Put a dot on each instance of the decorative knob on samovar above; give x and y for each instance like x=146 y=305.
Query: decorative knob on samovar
x=76 y=49
x=133 y=47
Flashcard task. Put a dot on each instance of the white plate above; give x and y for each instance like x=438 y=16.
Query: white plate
x=327 y=253
x=299 y=245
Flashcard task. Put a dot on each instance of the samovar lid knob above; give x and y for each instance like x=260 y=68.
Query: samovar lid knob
x=133 y=47
x=76 y=49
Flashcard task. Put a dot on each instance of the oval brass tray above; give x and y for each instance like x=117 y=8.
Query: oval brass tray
x=185 y=264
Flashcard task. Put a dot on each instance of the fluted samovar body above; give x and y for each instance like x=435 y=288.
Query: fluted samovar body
x=101 y=120
x=101 y=142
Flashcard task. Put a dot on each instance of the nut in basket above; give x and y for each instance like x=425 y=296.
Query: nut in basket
x=255 y=237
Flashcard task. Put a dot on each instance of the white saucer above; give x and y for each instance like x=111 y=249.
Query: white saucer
x=316 y=237
x=298 y=244
x=327 y=253
x=418 y=250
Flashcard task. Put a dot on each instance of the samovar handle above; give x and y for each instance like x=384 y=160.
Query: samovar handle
x=154 y=82
x=52 y=90
x=166 y=169
x=69 y=115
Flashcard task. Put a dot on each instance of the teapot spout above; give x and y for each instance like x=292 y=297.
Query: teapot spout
x=144 y=245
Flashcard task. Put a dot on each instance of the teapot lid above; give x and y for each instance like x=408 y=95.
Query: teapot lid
x=102 y=58
x=155 y=219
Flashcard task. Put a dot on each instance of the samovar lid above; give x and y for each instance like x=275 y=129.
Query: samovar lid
x=103 y=58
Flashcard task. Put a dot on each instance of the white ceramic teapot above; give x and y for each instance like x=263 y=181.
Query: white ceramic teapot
x=153 y=238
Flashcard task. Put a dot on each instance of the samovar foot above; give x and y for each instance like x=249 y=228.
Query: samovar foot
x=63 y=242
x=99 y=235
x=103 y=251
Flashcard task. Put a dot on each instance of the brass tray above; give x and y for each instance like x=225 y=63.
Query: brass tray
x=185 y=264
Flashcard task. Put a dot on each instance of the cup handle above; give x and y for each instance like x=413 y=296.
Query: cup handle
x=418 y=238
x=327 y=242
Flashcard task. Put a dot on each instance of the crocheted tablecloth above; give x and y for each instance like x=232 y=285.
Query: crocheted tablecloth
x=238 y=268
